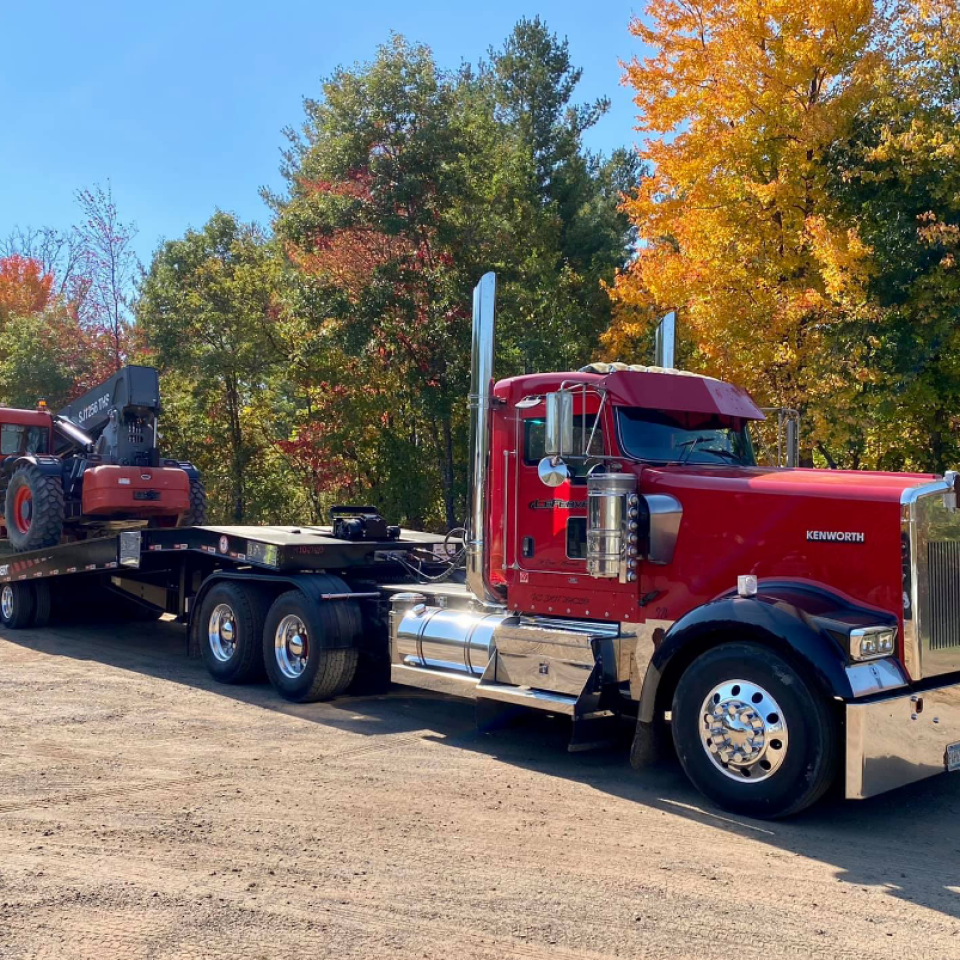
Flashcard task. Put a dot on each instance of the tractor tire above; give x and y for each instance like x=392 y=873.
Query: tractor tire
x=18 y=605
x=300 y=664
x=196 y=516
x=33 y=509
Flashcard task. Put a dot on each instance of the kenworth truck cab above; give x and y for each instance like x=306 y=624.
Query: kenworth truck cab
x=788 y=629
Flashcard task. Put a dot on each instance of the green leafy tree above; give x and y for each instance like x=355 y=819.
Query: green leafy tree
x=405 y=184
x=41 y=357
x=206 y=318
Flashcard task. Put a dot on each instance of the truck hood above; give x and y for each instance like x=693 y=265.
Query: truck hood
x=801 y=482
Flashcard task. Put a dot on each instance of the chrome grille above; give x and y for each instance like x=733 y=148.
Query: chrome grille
x=943 y=565
x=931 y=538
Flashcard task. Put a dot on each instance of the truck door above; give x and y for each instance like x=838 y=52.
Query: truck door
x=549 y=526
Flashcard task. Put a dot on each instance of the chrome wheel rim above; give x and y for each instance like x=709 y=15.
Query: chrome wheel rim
x=222 y=632
x=6 y=601
x=291 y=646
x=743 y=731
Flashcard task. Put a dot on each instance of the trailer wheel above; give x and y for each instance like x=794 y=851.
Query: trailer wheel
x=43 y=598
x=18 y=605
x=751 y=733
x=33 y=509
x=300 y=664
x=230 y=625
x=196 y=516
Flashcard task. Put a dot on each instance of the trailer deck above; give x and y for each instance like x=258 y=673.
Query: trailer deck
x=274 y=548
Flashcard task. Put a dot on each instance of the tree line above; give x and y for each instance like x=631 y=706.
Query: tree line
x=796 y=199
x=802 y=213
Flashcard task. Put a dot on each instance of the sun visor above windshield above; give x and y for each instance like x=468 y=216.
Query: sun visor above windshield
x=679 y=390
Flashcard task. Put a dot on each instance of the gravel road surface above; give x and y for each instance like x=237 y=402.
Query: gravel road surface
x=146 y=811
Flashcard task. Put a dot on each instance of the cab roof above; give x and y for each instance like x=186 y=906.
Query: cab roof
x=28 y=418
x=652 y=388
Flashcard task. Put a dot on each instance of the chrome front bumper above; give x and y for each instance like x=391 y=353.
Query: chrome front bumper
x=899 y=739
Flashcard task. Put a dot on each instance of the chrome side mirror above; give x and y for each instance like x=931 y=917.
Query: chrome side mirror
x=553 y=471
x=559 y=427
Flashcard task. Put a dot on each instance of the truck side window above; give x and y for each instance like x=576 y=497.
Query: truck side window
x=534 y=430
x=11 y=435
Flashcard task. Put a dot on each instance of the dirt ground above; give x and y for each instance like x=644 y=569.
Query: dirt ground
x=146 y=811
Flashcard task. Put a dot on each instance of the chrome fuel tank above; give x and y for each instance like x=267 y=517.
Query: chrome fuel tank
x=441 y=638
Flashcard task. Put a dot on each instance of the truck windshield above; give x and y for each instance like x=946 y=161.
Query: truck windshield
x=683 y=438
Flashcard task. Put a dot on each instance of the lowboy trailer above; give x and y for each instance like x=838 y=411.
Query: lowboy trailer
x=320 y=596
x=626 y=559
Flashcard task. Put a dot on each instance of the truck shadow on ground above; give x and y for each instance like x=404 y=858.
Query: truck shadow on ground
x=906 y=842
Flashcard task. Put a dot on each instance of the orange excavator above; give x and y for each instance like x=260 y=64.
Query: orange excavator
x=93 y=468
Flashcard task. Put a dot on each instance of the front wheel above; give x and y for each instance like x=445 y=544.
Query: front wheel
x=752 y=734
x=34 y=509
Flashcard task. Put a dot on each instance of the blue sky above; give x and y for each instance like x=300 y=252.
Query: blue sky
x=181 y=104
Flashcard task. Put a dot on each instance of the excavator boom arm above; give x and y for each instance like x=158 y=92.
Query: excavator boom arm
x=131 y=391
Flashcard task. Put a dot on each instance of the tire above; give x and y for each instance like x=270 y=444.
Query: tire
x=230 y=628
x=196 y=516
x=771 y=755
x=321 y=672
x=43 y=598
x=33 y=511
x=18 y=605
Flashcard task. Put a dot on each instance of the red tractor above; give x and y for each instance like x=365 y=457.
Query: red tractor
x=93 y=467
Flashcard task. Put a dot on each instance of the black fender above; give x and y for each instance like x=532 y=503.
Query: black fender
x=806 y=623
x=317 y=587
x=189 y=469
x=51 y=466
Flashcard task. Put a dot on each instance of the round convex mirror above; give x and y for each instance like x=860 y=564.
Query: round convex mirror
x=553 y=471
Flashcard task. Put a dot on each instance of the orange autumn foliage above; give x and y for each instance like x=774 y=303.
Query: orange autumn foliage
x=24 y=288
x=740 y=99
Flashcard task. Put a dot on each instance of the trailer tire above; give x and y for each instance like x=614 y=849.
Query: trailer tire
x=300 y=666
x=33 y=509
x=196 y=515
x=43 y=598
x=18 y=605
x=229 y=628
x=752 y=733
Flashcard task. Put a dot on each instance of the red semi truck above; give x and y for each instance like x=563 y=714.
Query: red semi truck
x=627 y=561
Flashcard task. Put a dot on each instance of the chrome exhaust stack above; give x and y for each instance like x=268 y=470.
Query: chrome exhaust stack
x=481 y=399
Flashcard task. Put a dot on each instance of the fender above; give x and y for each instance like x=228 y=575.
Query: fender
x=188 y=468
x=317 y=587
x=52 y=466
x=805 y=621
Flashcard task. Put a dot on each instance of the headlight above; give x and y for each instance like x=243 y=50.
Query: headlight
x=868 y=643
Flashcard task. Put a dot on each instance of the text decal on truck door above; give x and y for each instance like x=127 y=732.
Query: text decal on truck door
x=837 y=536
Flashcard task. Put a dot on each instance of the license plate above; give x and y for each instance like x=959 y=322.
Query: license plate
x=953 y=758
